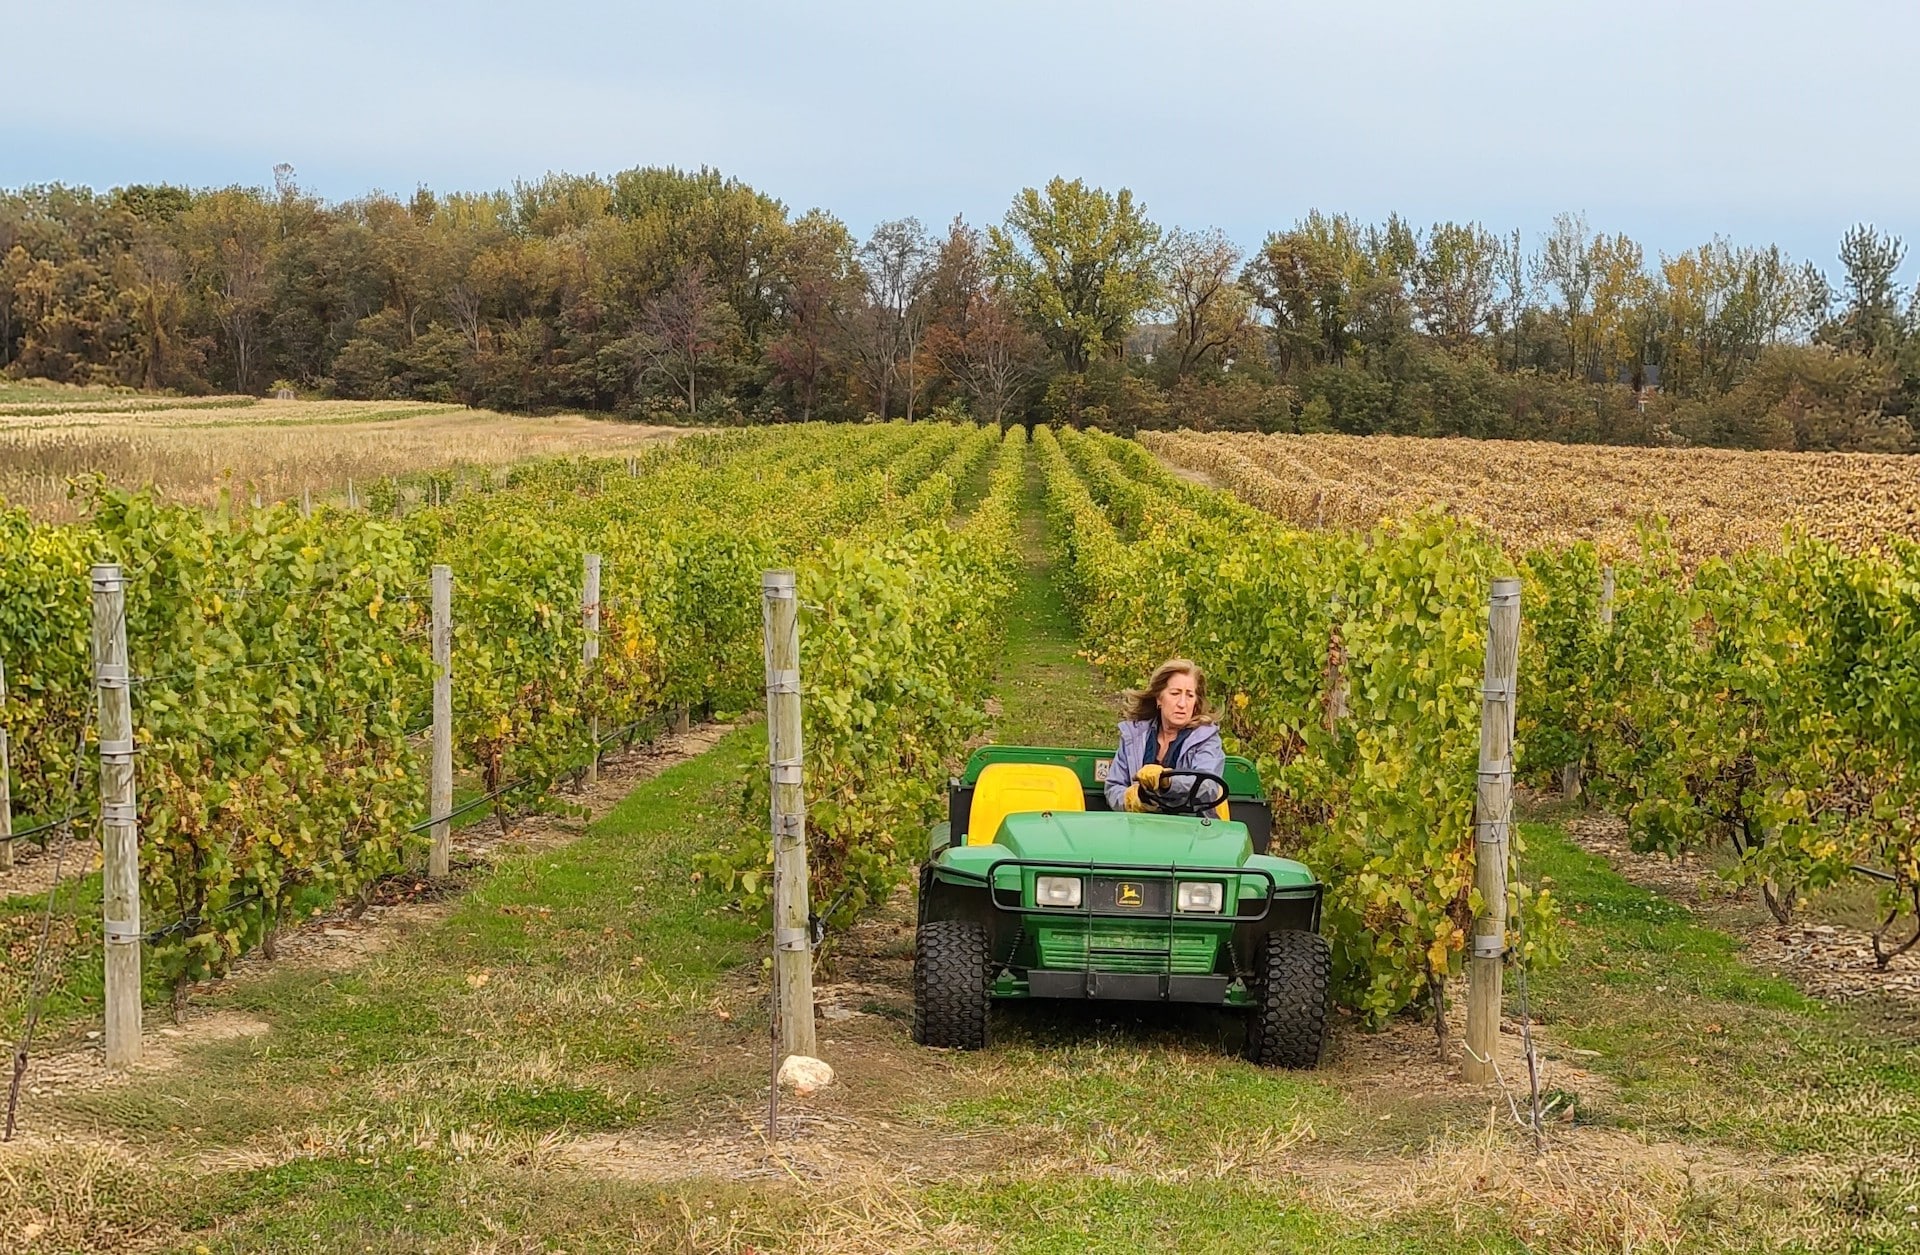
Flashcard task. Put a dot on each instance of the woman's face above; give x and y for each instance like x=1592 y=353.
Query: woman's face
x=1177 y=701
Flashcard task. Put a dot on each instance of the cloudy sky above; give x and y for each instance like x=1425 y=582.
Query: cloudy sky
x=1672 y=121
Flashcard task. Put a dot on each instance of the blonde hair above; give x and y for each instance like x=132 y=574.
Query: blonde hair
x=1143 y=705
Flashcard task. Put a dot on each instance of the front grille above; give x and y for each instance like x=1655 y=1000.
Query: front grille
x=1126 y=950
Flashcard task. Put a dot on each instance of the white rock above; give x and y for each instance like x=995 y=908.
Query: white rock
x=803 y=1075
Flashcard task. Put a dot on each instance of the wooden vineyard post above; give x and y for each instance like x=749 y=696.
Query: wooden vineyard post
x=1336 y=669
x=353 y=502
x=306 y=501
x=792 y=940
x=119 y=834
x=1573 y=774
x=1493 y=818
x=6 y=784
x=590 y=653
x=440 y=783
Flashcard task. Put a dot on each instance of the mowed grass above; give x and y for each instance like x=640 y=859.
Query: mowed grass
x=1048 y=694
x=1704 y=1047
x=572 y=991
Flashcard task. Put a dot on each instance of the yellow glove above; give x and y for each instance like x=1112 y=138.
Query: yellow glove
x=1131 y=801
x=1152 y=775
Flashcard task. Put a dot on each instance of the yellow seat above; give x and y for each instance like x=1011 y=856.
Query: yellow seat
x=1019 y=788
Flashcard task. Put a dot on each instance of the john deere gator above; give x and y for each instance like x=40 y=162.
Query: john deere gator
x=1035 y=889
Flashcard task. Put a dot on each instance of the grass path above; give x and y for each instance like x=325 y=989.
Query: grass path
x=572 y=1059
x=1048 y=694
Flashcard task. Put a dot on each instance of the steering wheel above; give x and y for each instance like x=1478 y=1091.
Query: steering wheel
x=1184 y=801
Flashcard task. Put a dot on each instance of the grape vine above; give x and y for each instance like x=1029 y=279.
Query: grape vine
x=284 y=672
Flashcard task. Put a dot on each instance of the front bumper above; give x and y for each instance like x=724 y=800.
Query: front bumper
x=1132 y=987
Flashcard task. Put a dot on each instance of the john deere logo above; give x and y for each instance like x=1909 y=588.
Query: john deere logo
x=1127 y=894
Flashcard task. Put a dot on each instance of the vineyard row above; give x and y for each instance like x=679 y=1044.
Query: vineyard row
x=1348 y=665
x=281 y=668
x=1764 y=698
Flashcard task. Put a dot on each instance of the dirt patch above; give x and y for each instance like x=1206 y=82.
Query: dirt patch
x=813 y=1146
x=1193 y=476
x=1835 y=963
x=1403 y=1059
x=33 y=869
x=162 y=1047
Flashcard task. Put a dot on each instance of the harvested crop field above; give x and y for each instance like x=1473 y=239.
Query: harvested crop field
x=1529 y=493
x=191 y=449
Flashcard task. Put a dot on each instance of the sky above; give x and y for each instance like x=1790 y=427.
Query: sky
x=1671 y=121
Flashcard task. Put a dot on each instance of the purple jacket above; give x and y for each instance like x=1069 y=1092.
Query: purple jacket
x=1202 y=752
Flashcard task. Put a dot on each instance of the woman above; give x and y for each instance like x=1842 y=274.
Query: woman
x=1168 y=727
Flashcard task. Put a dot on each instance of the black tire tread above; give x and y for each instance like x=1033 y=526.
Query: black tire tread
x=950 y=984
x=1288 y=1026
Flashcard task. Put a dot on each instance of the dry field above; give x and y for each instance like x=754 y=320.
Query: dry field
x=190 y=449
x=1530 y=493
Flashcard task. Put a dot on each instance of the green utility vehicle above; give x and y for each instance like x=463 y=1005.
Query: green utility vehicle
x=1035 y=888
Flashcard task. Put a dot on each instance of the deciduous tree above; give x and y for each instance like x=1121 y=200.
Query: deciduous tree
x=816 y=282
x=1080 y=264
x=1211 y=312
x=682 y=331
x=990 y=353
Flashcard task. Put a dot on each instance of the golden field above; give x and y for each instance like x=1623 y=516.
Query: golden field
x=191 y=449
x=1528 y=493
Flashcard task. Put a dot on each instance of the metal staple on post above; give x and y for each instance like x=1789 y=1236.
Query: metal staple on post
x=1493 y=819
x=792 y=954
x=440 y=783
x=119 y=831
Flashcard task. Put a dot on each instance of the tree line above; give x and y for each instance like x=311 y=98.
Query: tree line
x=690 y=296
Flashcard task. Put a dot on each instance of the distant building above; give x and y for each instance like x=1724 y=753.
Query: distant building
x=1644 y=379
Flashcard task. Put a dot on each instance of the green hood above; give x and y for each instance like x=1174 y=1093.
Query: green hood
x=1118 y=837
x=1143 y=841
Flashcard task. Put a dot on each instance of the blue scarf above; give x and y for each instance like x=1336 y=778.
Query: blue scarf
x=1152 y=751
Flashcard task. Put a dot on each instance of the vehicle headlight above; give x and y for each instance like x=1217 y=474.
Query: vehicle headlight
x=1057 y=890
x=1201 y=896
